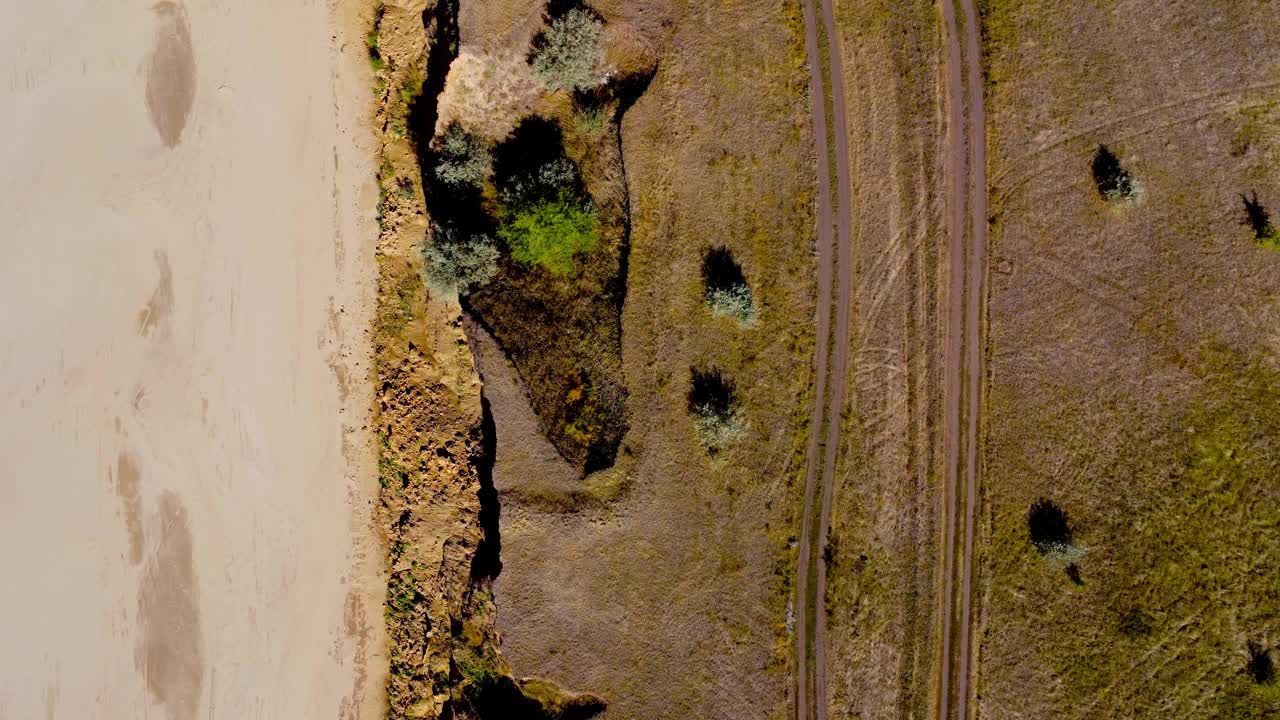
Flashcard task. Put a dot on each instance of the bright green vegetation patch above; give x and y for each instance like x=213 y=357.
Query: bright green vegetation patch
x=1181 y=524
x=549 y=232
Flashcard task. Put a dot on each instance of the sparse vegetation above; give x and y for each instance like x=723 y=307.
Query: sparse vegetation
x=589 y=120
x=1136 y=623
x=487 y=92
x=464 y=158
x=725 y=287
x=371 y=40
x=1114 y=183
x=455 y=260
x=713 y=402
x=568 y=55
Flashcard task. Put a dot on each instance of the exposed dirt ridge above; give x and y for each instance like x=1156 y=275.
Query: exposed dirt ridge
x=435 y=506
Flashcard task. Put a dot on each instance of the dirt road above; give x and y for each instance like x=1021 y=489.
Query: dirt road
x=187 y=200
x=833 y=144
x=967 y=166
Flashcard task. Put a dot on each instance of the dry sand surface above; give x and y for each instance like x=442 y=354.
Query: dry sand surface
x=185 y=479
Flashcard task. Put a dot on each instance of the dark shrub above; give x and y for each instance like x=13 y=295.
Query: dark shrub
x=1115 y=184
x=725 y=288
x=1050 y=532
x=1261 y=667
x=1135 y=623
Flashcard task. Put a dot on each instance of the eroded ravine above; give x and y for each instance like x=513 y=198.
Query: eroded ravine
x=440 y=507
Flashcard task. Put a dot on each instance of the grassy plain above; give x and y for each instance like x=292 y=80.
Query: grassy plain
x=1132 y=360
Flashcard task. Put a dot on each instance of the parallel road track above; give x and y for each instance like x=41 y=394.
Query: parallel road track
x=832 y=144
x=967 y=174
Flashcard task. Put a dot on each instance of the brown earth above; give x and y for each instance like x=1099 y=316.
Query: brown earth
x=1132 y=360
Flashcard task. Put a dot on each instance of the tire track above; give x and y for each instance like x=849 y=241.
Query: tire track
x=966 y=148
x=833 y=141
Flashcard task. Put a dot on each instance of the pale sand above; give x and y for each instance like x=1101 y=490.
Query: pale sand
x=186 y=274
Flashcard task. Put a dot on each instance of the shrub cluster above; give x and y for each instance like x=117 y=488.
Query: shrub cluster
x=547 y=221
x=549 y=233
x=568 y=55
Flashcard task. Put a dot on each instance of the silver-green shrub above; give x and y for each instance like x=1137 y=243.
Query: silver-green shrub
x=463 y=159
x=571 y=55
x=454 y=262
x=735 y=301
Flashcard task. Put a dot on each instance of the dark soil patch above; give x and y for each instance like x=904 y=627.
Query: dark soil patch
x=498 y=697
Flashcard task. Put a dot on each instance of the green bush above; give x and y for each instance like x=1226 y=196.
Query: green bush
x=716 y=429
x=463 y=158
x=725 y=287
x=455 y=262
x=549 y=232
x=570 y=54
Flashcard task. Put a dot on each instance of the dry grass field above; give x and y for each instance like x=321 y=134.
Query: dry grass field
x=1132 y=355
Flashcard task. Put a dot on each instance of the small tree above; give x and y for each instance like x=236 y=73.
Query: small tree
x=713 y=403
x=1259 y=220
x=1261 y=667
x=569 y=53
x=454 y=261
x=463 y=159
